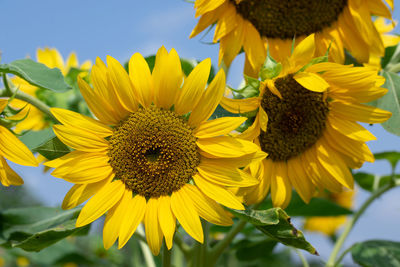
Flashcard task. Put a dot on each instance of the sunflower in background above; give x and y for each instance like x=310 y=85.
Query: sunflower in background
x=328 y=225
x=255 y=24
x=307 y=123
x=152 y=156
x=35 y=119
x=14 y=150
x=384 y=28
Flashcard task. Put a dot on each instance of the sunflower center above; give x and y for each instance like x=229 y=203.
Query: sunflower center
x=153 y=152
x=288 y=18
x=295 y=122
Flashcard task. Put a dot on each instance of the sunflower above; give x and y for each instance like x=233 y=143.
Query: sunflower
x=14 y=150
x=312 y=136
x=35 y=119
x=152 y=156
x=329 y=225
x=252 y=24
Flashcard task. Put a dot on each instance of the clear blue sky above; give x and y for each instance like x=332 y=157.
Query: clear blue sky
x=120 y=28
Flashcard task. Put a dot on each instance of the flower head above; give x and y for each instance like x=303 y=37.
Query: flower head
x=255 y=24
x=307 y=123
x=152 y=156
x=13 y=149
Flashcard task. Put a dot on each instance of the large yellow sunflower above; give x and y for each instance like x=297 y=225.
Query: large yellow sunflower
x=50 y=57
x=252 y=24
x=152 y=156
x=14 y=150
x=330 y=224
x=307 y=123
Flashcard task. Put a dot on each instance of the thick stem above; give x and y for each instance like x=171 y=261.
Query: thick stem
x=217 y=250
x=349 y=226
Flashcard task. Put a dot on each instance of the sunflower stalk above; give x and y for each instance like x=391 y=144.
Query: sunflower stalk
x=200 y=251
x=332 y=262
x=10 y=92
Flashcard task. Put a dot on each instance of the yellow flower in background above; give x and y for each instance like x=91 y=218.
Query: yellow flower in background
x=388 y=39
x=50 y=57
x=328 y=225
x=146 y=159
x=22 y=261
x=252 y=24
x=307 y=123
x=14 y=150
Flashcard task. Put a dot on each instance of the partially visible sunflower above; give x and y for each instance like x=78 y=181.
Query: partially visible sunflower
x=35 y=120
x=330 y=224
x=14 y=150
x=388 y=39
x=312 y=136
x=152 y=156
x=252 y=24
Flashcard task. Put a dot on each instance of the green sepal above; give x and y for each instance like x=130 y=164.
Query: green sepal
x=270 y=69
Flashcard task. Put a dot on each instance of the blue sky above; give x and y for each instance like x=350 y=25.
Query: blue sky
x=96 y=28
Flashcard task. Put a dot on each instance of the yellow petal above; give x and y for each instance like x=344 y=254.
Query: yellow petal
x=121 y=84
x=72 y=61
x=80 y=139
x=167 y=220
x=304 y=51
x=79 y=193
x=207 y=6
x=193 y=87
x=209 y=100
x=235 y=162
x=226 y=147
x=184 y=210
x=263 y=119
x=134 y=212
x=227 y=22
x=140 y=75
x=51 y=58
x=7 y=175
x=350 y=129
x=167 y=77
x=3 y=104
x=311 y=81
x=253 y=45
x=14 y=150
x=207 y=208
x=281 y=189
x=223 y=175
x=240 y=105
x=262 y=171
x=154 y=233
x=220 y=126
x=359 y=112
x=218 y=193
x=299 y=179
x=101 y=202
x=64 y=159
x=74 y=119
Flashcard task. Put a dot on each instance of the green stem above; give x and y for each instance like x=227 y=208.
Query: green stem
x=8 y=92
x=182 y=246
x=349 y=226
x=200 y=250
x=217 y=250
x=302 y=258
x=166 y=257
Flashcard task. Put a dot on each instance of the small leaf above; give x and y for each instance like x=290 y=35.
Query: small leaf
x=35 y=228
x=392 y=156
x=253 y=248
x=377 y=253
x=37 y=74
x=390 y=102
x=371 y=182
x=275 y=223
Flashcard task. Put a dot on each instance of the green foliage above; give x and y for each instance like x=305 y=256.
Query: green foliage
x=45 y=143
x=391 y=102
x=37 y=74
x=377 y=253
x=276 y=224
x=254 y=248
x=392 y=156
x=391 y=60
x=36 y=228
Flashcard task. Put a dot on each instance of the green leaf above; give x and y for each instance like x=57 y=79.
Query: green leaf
x=36 y=228
x=391 y=58
x=316 y=207
x=392 y=156
x=371 y=182
x=377 y=253
x=45 y=143
x=275 y=223
x=37 y=74
x=390 y=102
